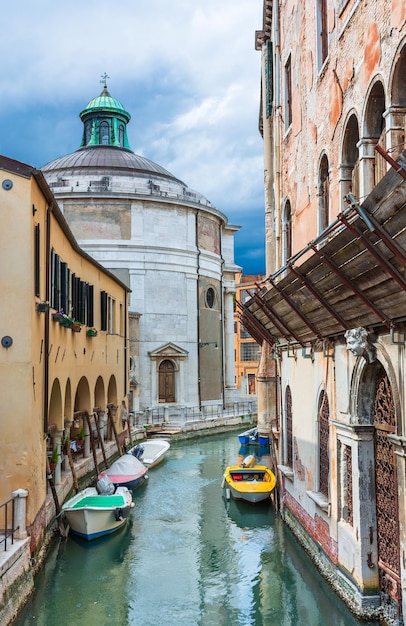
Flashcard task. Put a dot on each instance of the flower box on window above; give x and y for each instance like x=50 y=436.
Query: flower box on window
x=66 y=321
x=57 y=317
x=91 y=332
x=42 y=307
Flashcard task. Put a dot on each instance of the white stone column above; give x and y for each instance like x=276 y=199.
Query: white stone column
x=395 y=117
x=20 y=508
x=366 y=149
x=229 y=339
x=266 y=390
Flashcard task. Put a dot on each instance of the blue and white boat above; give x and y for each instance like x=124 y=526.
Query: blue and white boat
x=249 y=436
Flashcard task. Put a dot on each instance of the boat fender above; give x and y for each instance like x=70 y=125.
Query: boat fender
x=249 y=461
x=118 y=514
x=223 y=482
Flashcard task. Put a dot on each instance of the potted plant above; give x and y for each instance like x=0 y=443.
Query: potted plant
x=91 y=332
x=76 y=326
x=54 y=458
x=66 y=445
x=80 y=437
x=42 y=307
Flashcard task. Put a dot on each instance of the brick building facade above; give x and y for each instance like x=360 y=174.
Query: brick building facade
x=331 y=310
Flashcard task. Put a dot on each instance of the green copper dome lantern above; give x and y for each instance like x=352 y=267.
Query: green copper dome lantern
x=105 y=122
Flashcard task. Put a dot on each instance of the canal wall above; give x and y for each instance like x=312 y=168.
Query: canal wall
x=18 y=567
x=363 y=608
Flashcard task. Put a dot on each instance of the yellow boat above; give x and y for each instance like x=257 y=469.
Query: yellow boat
x=252 y=483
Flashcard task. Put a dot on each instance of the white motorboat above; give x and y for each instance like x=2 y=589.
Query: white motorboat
x=150 y=452
x=91 y=515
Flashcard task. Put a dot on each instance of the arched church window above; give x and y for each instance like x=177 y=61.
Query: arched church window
x=104 y=134
x=121 y=135
x=88 y=132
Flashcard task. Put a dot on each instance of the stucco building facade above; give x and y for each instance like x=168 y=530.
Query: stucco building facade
x=330 y=314
x=172 y=247
x=52 y=372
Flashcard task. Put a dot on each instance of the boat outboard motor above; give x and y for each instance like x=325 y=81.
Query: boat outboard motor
x=105 y=487
x=138 y=451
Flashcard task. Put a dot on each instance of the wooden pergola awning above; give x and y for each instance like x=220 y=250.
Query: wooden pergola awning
x=353 y=274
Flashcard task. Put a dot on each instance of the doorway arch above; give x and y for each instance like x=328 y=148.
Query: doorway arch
x=377 y=405
x=166 y=381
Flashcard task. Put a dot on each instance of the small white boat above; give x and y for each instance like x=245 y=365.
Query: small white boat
x=91 y=515
x=152 y=452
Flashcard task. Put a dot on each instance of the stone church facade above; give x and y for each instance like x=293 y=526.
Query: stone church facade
x=330 y=315
x=170 y=245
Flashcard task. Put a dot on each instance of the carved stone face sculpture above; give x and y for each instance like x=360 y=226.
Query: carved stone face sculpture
x=359 y=344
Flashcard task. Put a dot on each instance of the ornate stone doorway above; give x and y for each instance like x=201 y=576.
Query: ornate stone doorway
x=387 y=508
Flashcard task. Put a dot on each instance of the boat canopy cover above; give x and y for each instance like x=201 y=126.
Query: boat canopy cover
x=126 y=465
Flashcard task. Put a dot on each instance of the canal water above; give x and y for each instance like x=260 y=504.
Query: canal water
x=187 y=557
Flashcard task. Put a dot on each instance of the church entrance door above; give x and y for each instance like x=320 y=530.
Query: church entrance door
x=166 y=382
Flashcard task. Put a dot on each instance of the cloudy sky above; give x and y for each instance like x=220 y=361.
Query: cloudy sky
x=186 y=70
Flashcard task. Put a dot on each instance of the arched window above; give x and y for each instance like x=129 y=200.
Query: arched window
x=289 y=427
x=324 y=437
x=121 y=135
x=88 y=132
x=395 y=140
x=104 y=134
x=287 y=233
x=374 y=133
x=324 y=194
x=350 y=165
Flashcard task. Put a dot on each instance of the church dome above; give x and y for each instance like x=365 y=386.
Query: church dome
x=104 y=103
x=108 y=158
x=105 y=163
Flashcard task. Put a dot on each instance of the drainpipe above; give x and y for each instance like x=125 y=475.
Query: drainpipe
x=198 y=311
x=277 y=136
x=126 y=340
x=222 y=329
x=46 y=333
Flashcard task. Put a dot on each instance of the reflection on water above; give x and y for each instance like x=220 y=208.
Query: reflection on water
x=187 y=557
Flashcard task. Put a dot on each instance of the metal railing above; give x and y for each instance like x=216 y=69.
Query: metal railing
x=185 y=414
x=7 y=520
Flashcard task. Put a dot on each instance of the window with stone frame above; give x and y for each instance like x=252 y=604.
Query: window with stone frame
x=324 y=194
x=287 y=233
x=288 y=93
x=322 y=32
x=324 y=438
x=347 y=487
x=289 y=427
